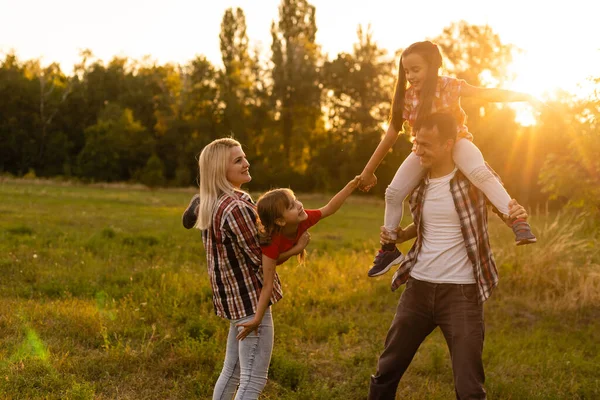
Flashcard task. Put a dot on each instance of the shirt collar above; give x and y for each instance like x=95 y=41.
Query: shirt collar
x=240 y=194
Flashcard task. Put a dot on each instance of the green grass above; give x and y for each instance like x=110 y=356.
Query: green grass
x=104 y=295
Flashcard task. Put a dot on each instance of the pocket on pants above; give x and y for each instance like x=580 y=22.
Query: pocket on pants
x=469 y=293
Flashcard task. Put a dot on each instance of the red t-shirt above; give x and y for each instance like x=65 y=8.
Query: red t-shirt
x=280 y=243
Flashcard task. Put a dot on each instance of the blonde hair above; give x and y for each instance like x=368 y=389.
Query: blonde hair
x=270 y=207
x=212 y=166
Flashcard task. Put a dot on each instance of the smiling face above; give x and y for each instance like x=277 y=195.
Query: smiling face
x=294 y=214
x=415 y=68
x=238 y=168
x=431 y=149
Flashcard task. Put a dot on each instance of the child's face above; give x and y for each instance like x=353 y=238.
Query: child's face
x=415 y=68
x=295 y=212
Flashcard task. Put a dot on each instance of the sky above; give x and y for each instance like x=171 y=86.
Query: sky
x=560 y=40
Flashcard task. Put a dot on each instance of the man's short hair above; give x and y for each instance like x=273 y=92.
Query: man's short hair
x=445 y=123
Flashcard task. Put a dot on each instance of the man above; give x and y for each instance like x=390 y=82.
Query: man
x=449 y=272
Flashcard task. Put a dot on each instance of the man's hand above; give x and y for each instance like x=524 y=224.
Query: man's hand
x=384 y=236
x=515 y=211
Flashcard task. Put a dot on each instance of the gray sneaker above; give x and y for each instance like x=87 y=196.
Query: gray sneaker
x=523 y=234
x=384 y=260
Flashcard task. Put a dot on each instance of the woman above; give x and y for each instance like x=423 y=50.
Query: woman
x=227 y=219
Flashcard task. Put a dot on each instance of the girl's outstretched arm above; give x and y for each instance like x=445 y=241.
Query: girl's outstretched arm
x=367 y=177
x=268 y=265
x=497 y=95
x=336 y=201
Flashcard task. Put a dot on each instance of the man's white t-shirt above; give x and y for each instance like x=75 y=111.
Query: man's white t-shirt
x=443 y=255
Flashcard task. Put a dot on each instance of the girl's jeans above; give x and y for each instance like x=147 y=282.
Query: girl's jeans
x=246 y=361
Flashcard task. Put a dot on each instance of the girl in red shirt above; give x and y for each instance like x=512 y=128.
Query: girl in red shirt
x=283 y=223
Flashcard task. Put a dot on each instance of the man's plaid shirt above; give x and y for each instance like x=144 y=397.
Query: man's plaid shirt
x=471 y=205
x=234 y=257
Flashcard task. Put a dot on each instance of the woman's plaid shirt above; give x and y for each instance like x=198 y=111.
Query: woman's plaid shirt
x=234 y=257
x=471 y=205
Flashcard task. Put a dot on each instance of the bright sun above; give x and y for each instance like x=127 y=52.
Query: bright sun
x=530 y=78
x=538 y=76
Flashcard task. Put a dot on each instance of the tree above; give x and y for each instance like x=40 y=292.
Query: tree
x=357 y=103
x=116 y=147
x=153 y=173
x=295 y=75
x=574 y=174
x=19 y=116
x=235 y=79
x=55 y=87
x=476 y=54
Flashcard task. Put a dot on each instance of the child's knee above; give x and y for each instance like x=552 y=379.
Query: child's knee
x=480 y=175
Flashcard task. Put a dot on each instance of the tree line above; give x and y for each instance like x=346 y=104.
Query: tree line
x=306 y=121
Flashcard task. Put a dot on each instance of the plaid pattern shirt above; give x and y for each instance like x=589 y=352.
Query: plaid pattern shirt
x=446 y=100
x=234 y=258
x=471 y=205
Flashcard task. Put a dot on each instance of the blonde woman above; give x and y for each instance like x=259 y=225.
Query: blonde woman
x=227 y=217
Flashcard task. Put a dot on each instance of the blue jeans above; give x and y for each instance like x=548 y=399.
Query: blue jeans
x=246 y=361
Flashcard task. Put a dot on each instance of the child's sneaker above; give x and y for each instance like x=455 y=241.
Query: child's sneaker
x=384 y=260
x=190 y=215
x=523 y=234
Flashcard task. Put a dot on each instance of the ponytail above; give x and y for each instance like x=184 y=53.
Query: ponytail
x=397 y=111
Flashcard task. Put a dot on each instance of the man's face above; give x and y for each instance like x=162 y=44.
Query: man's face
x=430 y=148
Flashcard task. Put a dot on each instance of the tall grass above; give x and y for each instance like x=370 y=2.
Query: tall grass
x=562 y=272
x=103 y=295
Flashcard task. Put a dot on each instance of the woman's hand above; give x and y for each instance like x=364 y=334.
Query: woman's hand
x=367 y=181
x=248 y=328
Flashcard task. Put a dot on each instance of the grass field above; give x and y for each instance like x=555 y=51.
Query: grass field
x=104 y=295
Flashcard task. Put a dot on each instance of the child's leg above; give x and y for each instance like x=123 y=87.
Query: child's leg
x=406 y=179
x=469 y=160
